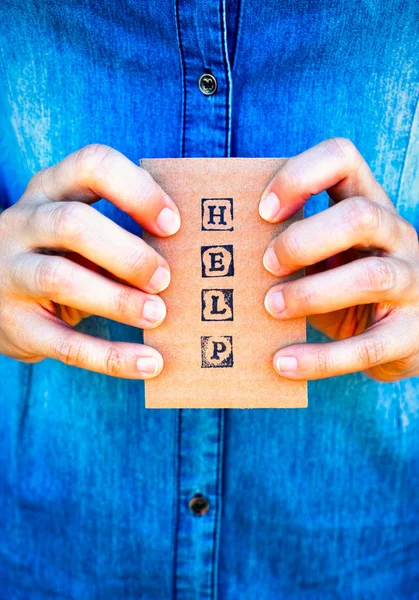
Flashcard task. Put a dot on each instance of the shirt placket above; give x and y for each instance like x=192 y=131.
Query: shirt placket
x=206 y=74
x=206 y=132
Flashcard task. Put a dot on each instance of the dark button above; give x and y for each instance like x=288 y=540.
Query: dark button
x=199 y=505
x=207 y=84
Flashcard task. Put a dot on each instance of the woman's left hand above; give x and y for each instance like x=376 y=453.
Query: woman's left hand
x=362 y=265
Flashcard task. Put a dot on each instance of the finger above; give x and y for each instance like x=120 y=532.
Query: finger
x=364 y=281
x=80 y=228
x=58 y=279
x=98 y=171
x=334 y=165
x=353 y=223
x=51 y=338
x=389 y=340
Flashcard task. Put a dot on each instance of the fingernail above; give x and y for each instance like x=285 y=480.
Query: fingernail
x=148 y=365
x=286 y=364
x=269 y=206
x=274 y=302
x=168 y=221
x=154 y=310
x=160 y=279
x=270 y=261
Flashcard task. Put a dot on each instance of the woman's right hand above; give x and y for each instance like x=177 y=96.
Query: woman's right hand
x=61 y=260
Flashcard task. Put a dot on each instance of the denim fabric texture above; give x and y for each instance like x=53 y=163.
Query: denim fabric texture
x=318 y=503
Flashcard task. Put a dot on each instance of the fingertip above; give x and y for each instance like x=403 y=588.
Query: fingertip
x=168 y=221
x=269 y=207
x=274 y=302
x=271 y=262
x=150 y=364
x=286 y=366
x=154 y=312
x=160 y=279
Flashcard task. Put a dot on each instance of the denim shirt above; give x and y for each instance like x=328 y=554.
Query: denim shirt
x=316 y=503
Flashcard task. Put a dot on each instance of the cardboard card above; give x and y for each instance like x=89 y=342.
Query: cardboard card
x=218 y=340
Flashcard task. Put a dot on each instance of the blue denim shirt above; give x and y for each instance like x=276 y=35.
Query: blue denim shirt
x=320 y=503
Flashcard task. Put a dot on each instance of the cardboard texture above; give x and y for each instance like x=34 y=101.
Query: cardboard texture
x=218 y=340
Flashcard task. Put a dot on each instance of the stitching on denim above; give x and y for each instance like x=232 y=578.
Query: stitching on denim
x=236 y=34
x=226 y=72
x=215 y=533
x=176 y=515
x=182 y=55
x=239 y=27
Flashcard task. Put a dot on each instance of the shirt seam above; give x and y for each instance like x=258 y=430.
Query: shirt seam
x=176 y=509
x=237 y=34
x=183 y=78
x=227 y=78
x=216 y=529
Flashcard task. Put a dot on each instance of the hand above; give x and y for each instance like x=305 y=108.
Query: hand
x=362 y=259
x=59 y=257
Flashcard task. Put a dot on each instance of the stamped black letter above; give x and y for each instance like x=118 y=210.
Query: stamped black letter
x=217 y=261
x=217 y=305
x=217 y=214
x=216 y=351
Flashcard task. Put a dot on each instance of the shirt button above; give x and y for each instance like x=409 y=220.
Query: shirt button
x=199 y=505
x=207 y=84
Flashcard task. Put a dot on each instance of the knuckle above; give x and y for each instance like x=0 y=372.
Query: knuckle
x=7 y=220
x=52 y=276
x=11 y=219
x=36 y=178
x=70 y=351
x=114 y=361
x=93 y=162
x=362 y=214
x=290 y=245
x=137 y=262
x=343 y=148
x=146 y=186
x=371 y=352
x=303 y=295
x=68 y=221
x=409 y=233
x=323 y=363
x=291 y=174
x=123 y=302
x=36 y=181
x=37 y=188
x=380 y=275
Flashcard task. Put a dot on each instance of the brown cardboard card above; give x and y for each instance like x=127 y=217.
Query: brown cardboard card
x=218 y=340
